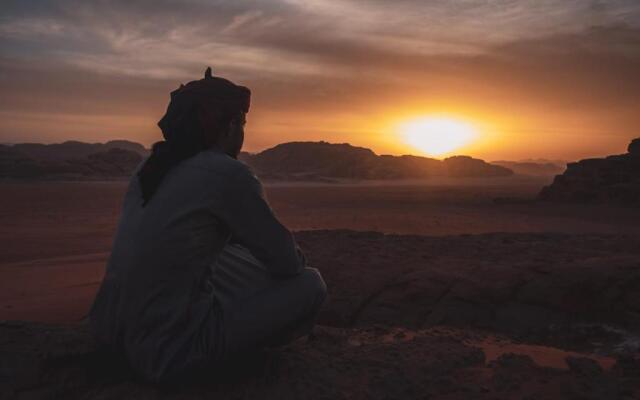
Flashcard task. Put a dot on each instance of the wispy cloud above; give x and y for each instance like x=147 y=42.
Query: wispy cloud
x=306 y=56
x=168 y=37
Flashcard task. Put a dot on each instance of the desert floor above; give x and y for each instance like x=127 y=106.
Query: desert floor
x=465 y=289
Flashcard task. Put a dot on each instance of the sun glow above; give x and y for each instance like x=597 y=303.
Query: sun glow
x=437 y=136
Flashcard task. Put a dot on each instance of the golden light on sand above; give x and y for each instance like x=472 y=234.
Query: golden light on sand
x=436 y=136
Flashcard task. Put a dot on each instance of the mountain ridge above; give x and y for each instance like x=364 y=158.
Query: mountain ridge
x=321 y=160
x=297 y=161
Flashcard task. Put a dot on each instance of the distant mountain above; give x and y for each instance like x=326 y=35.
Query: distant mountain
x=533 y=168
x=316 y=161
x=614 y=179
x=322 y=160
x=74 y=149
x=70 y=160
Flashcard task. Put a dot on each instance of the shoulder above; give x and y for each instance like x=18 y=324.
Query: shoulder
x=218 y=164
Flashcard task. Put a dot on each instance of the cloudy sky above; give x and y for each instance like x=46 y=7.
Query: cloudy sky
x=536 y=78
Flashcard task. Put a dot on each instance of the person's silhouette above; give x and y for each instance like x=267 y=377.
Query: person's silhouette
x=201 y=270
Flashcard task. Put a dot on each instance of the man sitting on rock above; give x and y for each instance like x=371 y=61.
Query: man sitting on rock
x=201 y=270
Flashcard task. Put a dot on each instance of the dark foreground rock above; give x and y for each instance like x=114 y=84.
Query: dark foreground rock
x=516 y=283
x=614 y=179
x=494 y=316
x=41 y=362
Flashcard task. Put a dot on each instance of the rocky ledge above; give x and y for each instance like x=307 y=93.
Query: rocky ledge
x=496 y=316
x=335 y=363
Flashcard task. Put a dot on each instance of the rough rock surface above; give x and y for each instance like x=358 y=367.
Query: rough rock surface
x=513 y=282
x=408 y=317
x=614 y=179
x=42 y=361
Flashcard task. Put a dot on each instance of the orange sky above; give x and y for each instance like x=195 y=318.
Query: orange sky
x=538 y=79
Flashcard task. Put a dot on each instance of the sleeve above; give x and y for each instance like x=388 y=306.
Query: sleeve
x=254 y=225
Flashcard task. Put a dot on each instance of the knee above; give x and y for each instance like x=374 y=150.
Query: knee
x=315 y=284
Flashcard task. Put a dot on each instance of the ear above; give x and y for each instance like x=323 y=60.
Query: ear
x=207 y=119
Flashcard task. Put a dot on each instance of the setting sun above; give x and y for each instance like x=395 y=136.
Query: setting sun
x=436 y=136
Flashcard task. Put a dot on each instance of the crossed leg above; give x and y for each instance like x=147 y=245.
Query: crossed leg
x=259 y=310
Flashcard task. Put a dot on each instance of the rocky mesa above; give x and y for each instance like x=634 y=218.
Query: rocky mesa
x=613 y=179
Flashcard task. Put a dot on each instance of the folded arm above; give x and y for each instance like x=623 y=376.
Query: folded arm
x=254 y=225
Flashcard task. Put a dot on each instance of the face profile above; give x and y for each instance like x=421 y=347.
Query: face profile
x=231 y=142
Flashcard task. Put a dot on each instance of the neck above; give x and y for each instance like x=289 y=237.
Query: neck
x=219 y=149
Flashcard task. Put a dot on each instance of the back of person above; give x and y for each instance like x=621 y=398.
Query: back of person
x=153 y=291
x=201 y=269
